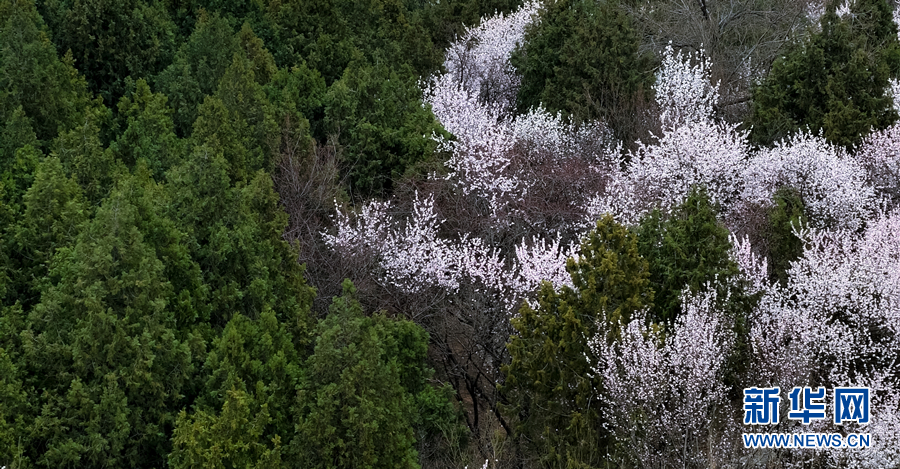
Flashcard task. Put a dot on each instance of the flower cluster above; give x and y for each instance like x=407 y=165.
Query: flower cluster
x=832 y=185
x=836 y=320
x=663 y=391
x=479 y=60
x=684 y=92
x=879 y=154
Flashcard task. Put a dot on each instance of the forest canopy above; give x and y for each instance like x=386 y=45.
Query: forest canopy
x=444 y=234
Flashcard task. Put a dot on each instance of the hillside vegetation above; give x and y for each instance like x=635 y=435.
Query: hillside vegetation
x=444 y=234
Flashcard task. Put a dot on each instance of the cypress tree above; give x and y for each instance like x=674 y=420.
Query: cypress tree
x=550 y=381
x=836 y=82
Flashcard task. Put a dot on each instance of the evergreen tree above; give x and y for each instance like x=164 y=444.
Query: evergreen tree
x=50 y=91
x=379 y=118
x=836 y=82
x=582 y=59
x=234 y=234
x=685 y=249
x=102 y=345
x=83 y=155
x=197 y=68
x=149 y=132
x=784 y=246
x=54 y=211
x=689 y=250
x=243 y=413
x=299 y=93
x=19 y=157
x=329 y=35
x=13 y=409
x=365 y=391
x=550 y=381
x=113 y=39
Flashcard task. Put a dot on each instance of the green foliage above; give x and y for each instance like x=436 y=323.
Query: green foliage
x=54 y=211
x=16 y=133
x=446 y=20
x=298 y=93
x=835 y=82
x=197 y=68
x=358 y=405
x=113 y=39
x=689 y=249
x=19 y=156
x=240 y=118
x=685 y=249
x=149 y=133
x=50 y=91
x=234 y=233
x=550 y=382
x=329 y=35
x=263 y=63
x=13 y=408
x=582 y=59
x=233 y=438
x=101 y=346
x=83 y=155
x=784 y=246
x=254 y=370
x=381 y=122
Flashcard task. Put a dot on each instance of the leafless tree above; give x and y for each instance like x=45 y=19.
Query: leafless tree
x=742 y=37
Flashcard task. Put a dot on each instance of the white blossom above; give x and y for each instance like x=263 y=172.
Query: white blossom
x=832 y=185
x=663 y=391
x=754 y=269
x=684 y=92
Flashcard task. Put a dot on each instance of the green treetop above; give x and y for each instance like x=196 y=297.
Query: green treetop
x=835 y=82
x=550 y=382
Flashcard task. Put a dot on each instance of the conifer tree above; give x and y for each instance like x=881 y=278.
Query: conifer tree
x=242 y=415
x=784 y=246
x=49 y=90
x=685 y=249
x=836 y=82
x=54 y=209
x=379 y=118
x=114 y=39
x=148 y=131
x=84 y=156
x=19 y=157
x=365 y=391
x=582 y=59
x=111 y=366
x=197 y=68
x=233 y=231
x=550 y=381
